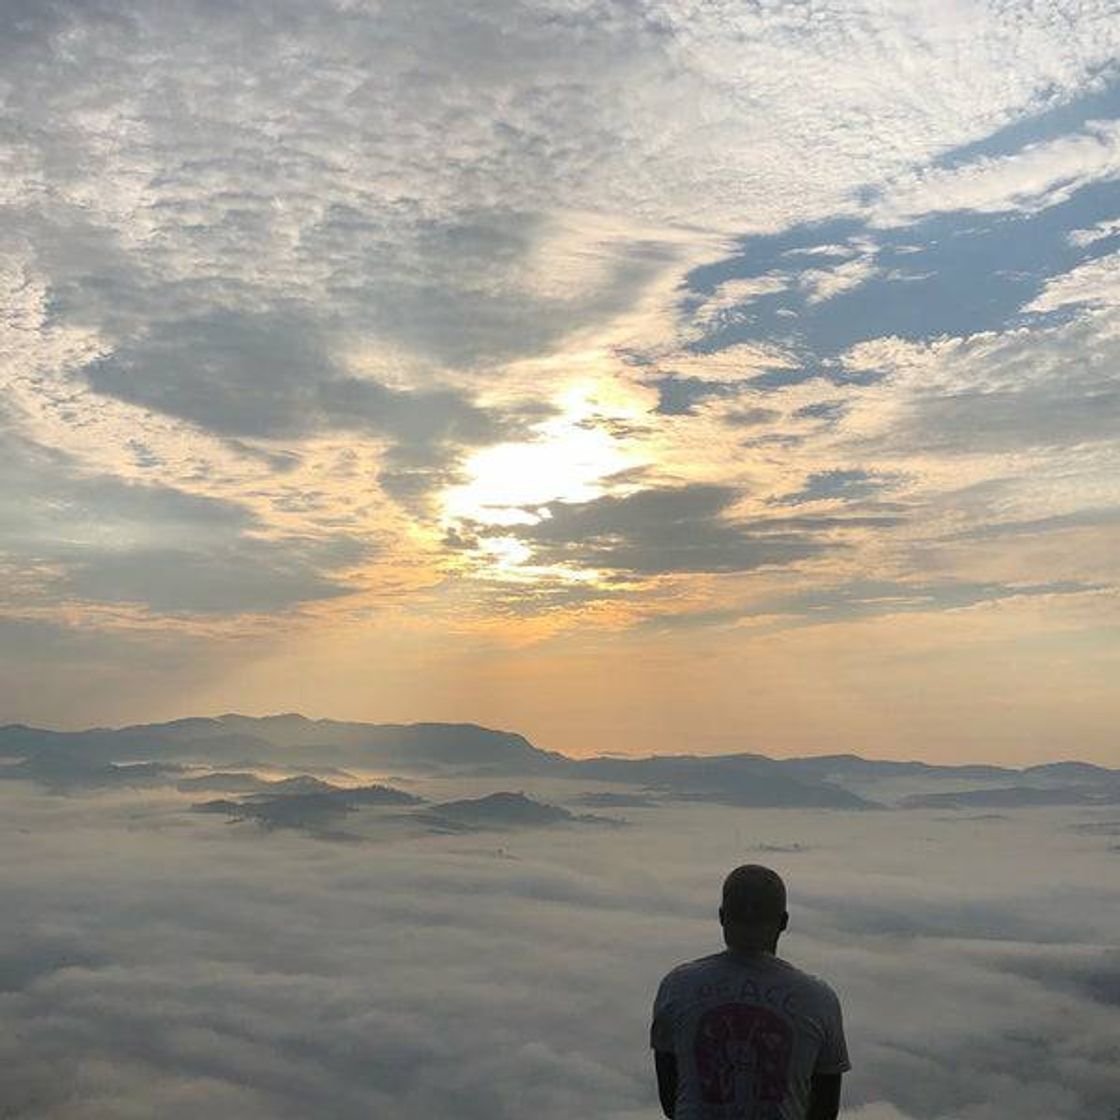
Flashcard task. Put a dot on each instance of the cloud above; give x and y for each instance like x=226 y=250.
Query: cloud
x=998 y=392
x=868 y=598
x=757 y=416
x=1056 y=523
x=730 y=301
x=824 y=283
x=1099 y=232
x=244 y=577
x=167 y=961
x=1092 y=284
x=1037 y=176
x=879 y=1110
x=272 y=375
x=666 y=530
x=448 y=189
x=105 y=540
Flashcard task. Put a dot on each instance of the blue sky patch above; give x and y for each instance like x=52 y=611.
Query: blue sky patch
x=956 y=274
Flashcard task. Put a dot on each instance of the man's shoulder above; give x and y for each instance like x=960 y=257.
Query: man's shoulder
x=691 y=970
x=809 y=982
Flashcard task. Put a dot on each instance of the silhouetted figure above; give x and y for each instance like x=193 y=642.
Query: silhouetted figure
x=742 y=1034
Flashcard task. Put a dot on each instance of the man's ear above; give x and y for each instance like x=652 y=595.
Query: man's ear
x=721 y=922
x=784 y=922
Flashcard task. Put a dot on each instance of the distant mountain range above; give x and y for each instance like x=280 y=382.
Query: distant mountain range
x=158 y=753
x=244 y=740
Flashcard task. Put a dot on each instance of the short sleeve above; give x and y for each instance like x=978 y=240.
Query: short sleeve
x=661 y=1028
x=833 y=1055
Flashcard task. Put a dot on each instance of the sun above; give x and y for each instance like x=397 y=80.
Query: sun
x=571 y=457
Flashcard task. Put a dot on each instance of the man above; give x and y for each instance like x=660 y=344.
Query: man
x=743 y=1035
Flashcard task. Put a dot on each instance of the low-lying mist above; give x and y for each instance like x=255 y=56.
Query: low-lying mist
x=158 y=961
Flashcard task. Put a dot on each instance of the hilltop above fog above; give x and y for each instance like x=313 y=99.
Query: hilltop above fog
x=230 y=748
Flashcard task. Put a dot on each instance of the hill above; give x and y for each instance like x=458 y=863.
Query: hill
x=68 y=761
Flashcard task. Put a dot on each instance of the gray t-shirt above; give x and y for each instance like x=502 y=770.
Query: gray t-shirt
x=749 y=1031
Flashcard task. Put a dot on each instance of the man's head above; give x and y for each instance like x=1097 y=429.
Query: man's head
x=753 y=911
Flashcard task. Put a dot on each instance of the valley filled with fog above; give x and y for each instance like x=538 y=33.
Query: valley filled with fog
x=204 y=935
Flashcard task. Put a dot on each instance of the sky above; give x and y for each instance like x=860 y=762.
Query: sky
x=643 y=377
x=155 y=961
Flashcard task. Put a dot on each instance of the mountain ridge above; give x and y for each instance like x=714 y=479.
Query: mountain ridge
x=11 y=732
x=745 y=779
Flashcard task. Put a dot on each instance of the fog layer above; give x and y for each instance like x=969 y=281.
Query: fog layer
x=159 y=962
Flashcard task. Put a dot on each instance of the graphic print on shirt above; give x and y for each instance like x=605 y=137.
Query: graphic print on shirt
x=743 y=1055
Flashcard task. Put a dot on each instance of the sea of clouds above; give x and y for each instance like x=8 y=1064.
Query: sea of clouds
x=158 y=962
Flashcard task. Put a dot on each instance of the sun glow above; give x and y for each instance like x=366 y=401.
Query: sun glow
x=571 y=457
x=569 y=460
